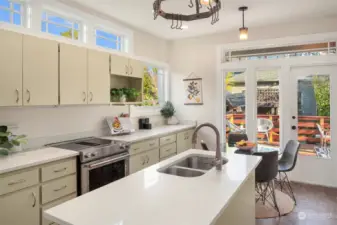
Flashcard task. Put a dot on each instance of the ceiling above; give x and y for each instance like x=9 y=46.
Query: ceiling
x=138 y=13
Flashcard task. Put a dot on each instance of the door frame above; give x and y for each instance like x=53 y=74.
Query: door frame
x=285 y=66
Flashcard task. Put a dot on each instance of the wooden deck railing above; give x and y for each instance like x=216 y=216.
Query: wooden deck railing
x=308 y=131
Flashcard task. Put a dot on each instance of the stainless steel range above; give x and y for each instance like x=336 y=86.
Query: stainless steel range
x=100 y=161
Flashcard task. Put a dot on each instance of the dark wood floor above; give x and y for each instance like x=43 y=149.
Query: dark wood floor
x=315 y=206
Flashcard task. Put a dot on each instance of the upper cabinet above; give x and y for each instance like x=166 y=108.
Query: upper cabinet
x=40 y=71
x=119 y=65
x=136 y=68
x=10 y=68
x=73 y=75
x=98 y=77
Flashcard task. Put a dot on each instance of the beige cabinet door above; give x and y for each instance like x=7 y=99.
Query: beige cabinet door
x=98 y=77
x=184 y=141
x=119 y=65
x=136 y=68
x=10 y=68
x=20 y=208
x=73 y=75
x=40 y=71
x=143 y=160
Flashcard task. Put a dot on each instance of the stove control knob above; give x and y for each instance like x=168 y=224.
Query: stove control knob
x=94 y=154
x=86 y=156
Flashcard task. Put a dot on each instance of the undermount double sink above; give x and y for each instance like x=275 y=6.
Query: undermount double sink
x=191 y=166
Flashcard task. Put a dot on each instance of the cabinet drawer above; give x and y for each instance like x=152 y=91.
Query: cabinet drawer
x=53 y=204
x=18 y=180
x=58 y=188
x=168 y=139
x=144 y=146
x=168 y=150
x=167 y=157
x=58 y=169
x=184 y=141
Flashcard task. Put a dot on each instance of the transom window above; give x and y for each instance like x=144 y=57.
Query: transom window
x=11 y=12
x=108 y=40
x=60 y=26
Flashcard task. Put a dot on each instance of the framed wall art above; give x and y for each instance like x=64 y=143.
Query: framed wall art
x=193 y=91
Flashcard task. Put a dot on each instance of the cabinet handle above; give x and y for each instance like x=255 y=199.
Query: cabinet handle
x=151 y=144
x=147 y=159
x=34 y=198
x=28 y=93
x=136 y=149
x=52 y=223
x=60 y=170
x=143 y=163
x=167 y=150
x=91 y=96
x=168 y=139
x=85 y=96
x=131 y=68
x=16 y=182
x=126 y=69
x=61 y=188
x=17 y=95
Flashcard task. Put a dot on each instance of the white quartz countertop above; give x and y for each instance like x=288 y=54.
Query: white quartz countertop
x=152 y=198
x=27 y=159
x=140 y=135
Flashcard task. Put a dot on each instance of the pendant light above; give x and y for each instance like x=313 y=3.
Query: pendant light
x=205 y=2
x=243 y=30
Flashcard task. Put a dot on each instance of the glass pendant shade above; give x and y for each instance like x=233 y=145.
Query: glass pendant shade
x=205 y=2
x=243 y=33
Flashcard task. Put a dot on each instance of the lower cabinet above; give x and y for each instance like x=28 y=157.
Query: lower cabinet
x=24 y=195
x=21 y=207
x=184 y=141
x=143 y=160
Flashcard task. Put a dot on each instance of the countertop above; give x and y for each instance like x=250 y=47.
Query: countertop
x=141 y=135
x=152 y=198
x=31 y=158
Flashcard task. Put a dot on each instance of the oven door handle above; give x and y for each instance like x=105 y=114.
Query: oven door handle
x=106 y=162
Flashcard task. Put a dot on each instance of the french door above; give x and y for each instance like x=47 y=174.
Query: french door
x=301 y=106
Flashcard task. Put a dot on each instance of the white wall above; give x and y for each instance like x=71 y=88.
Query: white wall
x=198 y=55
x=51 y=124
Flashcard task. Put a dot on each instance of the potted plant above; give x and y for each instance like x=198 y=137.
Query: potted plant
x=9 y=142
x=168 y=112
x=116 y=95
x=132 y=94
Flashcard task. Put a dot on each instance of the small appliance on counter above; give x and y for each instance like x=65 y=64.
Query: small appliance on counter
x=144 y=124
x=120 y=125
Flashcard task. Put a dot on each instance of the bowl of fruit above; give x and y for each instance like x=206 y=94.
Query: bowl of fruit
x=245 y=145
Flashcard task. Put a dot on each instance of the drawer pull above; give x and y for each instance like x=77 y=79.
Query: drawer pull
x=136 y=149
x=152 y=144
x=143 y=162
x=168 y=139
x=61 y=188
x=34 y=198
x=148 y=159
x=60 y=170
x=52 y=223
x=168 y=150
x=17 y=182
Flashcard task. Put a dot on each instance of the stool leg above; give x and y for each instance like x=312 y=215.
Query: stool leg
x=274 y=197
x=290 y=188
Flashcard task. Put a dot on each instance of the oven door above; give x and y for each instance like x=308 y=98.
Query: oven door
x=104 y=171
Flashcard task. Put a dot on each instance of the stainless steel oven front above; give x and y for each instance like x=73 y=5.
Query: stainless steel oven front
x=101 y=172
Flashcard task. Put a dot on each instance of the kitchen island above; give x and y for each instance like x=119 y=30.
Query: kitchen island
x=149 y=197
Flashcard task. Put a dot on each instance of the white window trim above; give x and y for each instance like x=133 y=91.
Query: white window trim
x=12 y=11
x=73 y=20
x=124 y=38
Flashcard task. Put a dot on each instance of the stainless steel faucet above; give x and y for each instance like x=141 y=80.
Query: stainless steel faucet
x=218 y=157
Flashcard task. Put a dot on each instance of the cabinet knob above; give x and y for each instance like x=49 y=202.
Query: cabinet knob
x=28 y=93
x=84 y=96
x=91 y=96
x=126 y=69
x=17 y=95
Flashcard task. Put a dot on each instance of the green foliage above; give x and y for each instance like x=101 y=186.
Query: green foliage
x=322 y=95
x=150 y=89
x=168 y=110
x=8 y=141
x=130 y=93
x=69 y=34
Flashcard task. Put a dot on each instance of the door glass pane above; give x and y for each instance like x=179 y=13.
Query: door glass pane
x=17 y=19
x=235 y=90
x=268 y=109
x=314 y=115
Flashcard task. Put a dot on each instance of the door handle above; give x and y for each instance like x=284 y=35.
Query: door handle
x=34 y=199
x=91 y=96
x=85 y=96
x=28 y=93
x=293 y=127
x=126 y=69
x=17 y=95
x=131 y=68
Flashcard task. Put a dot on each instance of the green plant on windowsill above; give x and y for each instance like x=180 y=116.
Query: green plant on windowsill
x=8 y=141
x=131 y=94
x=115 y=94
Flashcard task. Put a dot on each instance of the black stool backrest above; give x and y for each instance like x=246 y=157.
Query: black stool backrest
x=289 y=156
x=236 y=137
x=268 y=168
